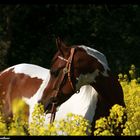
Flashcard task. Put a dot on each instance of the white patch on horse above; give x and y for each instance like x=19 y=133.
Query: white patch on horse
x=85 y=79
x=99 y=56
x=37 y=96
x=30 y=70
x=83 y=103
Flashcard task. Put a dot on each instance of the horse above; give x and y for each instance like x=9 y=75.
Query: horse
x=74 y=71
x=75 y=66
x=27 y=82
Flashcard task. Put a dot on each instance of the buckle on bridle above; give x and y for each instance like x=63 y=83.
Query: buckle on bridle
x=65 y=70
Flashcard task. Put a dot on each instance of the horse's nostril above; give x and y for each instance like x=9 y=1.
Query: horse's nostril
x=48 y=104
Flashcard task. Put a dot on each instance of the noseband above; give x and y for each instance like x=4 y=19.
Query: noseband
x=66 y=71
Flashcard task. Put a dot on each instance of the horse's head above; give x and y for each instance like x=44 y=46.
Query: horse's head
x=71 y=67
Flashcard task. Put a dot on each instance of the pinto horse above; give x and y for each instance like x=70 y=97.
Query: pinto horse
x=75 y=66
x=76 y=72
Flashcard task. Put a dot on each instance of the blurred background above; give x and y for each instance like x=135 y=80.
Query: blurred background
x=27 y=32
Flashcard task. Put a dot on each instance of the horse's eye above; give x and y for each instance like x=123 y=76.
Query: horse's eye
x=54 y=72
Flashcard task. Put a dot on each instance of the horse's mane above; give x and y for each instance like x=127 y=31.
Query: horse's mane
x=101 y=58
x=98 y=55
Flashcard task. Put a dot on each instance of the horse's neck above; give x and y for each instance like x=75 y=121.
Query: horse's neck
x=110 y=93
x=82 y=103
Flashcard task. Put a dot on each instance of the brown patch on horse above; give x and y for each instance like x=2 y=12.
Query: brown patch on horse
x=16 y=85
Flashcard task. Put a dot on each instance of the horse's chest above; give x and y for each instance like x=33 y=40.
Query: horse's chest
x=86 y=79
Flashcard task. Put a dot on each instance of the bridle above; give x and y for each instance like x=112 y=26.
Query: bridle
x=66 y=71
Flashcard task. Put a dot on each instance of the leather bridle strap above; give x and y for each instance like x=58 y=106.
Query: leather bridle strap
x=69 y=67
x=66 y=70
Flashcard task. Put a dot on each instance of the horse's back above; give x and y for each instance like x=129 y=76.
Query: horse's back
x=21 y=78
x=28 y=69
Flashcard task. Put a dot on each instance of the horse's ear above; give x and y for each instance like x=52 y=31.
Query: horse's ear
x=64 y=50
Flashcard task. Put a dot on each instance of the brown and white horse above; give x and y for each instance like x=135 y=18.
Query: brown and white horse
x=76 y=66
x=79 y=78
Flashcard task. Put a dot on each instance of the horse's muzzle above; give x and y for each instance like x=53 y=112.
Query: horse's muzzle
x=48 y=105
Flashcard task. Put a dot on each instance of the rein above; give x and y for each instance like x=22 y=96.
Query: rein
x=67 y=71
